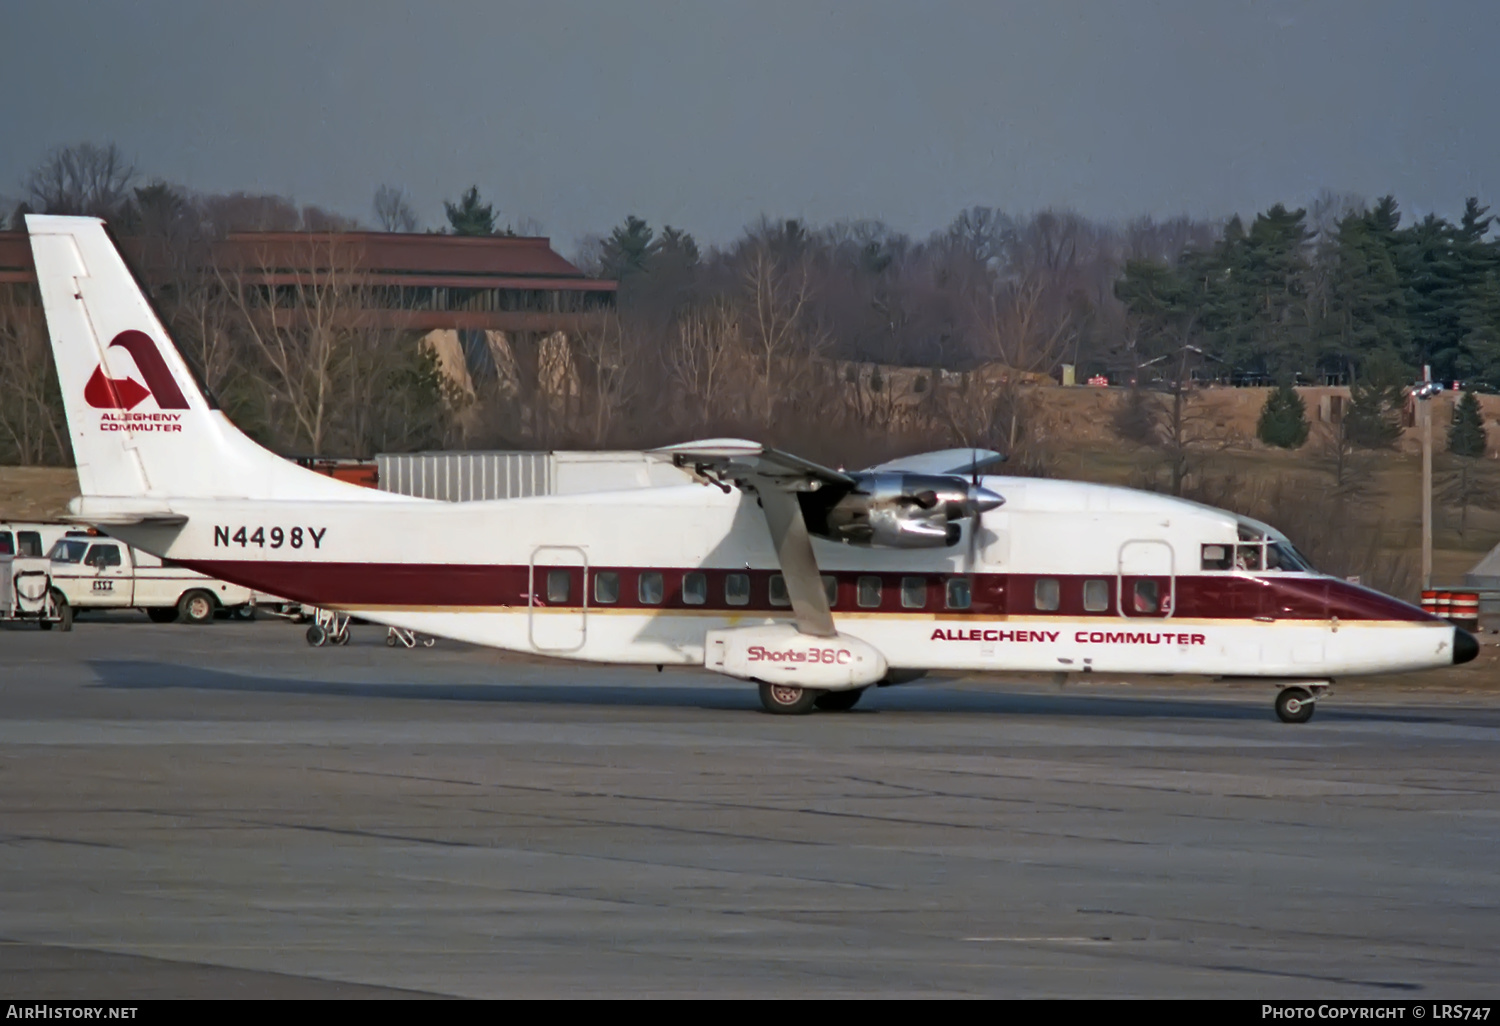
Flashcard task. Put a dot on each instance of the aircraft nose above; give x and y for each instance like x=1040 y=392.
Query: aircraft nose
x=1465 y=646
x=982 y=500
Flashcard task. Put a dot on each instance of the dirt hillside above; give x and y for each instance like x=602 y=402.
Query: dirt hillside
x=36 y=493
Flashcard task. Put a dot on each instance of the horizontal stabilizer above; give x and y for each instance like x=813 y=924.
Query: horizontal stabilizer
x=121 y=511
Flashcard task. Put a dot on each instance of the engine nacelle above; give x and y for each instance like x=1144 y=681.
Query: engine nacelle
x=781 y=654
x=902 y=511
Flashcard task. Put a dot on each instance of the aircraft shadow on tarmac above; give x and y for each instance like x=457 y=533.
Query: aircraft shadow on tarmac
x=930 y=696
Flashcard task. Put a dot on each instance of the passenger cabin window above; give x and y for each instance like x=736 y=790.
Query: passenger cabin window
x=867 y=592
x=914 y=593
x=103 y=556
x=737 y=589
x=607 y=588
x=557 y=586
x=1047 y=594
x=7 y=544
x=1218 y=557
x=960 y=593
x=779 y=597
x=650 y=589
x=1095 y=596
x=694 y=589
x=1146 y=597
x=28 y=543
x=831 y=589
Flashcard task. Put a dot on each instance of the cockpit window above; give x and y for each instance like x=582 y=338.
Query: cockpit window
x=1247 y=557
x=1282 y=556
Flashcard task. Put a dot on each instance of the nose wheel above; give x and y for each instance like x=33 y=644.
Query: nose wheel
x=1295 y=705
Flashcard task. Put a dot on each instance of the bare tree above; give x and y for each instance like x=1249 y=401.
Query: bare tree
x=1019 y=333
x=777 y=293
x=31 y=419
x=82 y=180
x=1468 y=484
x=708 y=346
x=250 y=212
x=610 y=356
x=393 y=212
x=336 y=373
x=86 y=180
x=980 y=233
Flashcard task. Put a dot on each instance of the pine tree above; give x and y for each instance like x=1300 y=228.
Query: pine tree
x=1373 y=419
x=629 y=249
x=1283 y=419
x=1365 y=308
x=1257 y=303
x=470 y=217
x=1137 y=417
x=1466 y=436
x=1479 y=269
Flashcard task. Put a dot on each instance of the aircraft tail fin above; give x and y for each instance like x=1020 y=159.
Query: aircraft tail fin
x=140 y=426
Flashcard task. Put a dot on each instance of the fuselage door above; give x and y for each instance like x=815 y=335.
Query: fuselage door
x=1147 y=581
x=557 y=598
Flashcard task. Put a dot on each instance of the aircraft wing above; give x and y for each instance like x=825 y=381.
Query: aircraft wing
x=736 y=457
x=960 y=462
x=776 y=477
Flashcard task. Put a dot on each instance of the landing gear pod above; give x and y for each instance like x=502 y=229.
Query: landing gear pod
x=793 y=668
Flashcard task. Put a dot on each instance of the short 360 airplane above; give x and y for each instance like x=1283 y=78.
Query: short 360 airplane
x=814 y=583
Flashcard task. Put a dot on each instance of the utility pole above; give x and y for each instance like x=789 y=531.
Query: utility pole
x=1424 y=414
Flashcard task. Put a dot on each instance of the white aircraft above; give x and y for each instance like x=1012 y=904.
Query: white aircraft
x=814 y=583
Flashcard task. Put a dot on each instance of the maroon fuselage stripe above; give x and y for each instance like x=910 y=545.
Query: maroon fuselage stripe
x=1206 y=596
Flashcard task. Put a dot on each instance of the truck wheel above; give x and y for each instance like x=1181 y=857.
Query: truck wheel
x=195 y=607
x=64 y=612
x=161 y=614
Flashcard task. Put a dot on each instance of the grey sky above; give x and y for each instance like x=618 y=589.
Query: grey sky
x=705 y=114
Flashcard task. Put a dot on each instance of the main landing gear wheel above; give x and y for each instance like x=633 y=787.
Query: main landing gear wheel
x=1295 y=705
x=787 y=700
x=317 y=637
x=838 y=701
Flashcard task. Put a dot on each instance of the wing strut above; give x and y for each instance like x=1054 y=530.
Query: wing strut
x=799 y=567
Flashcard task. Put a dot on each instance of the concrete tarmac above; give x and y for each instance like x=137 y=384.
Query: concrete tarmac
x=224 y=811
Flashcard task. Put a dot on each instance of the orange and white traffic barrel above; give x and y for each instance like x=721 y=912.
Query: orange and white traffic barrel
x=1463 y=609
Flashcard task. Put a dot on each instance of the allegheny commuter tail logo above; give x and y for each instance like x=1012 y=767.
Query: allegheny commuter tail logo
x=118 y=397
x=105 y=393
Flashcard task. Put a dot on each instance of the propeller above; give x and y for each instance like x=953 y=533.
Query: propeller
x=972 y=554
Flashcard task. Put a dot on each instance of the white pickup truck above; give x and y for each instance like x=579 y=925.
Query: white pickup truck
x=90 y=571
